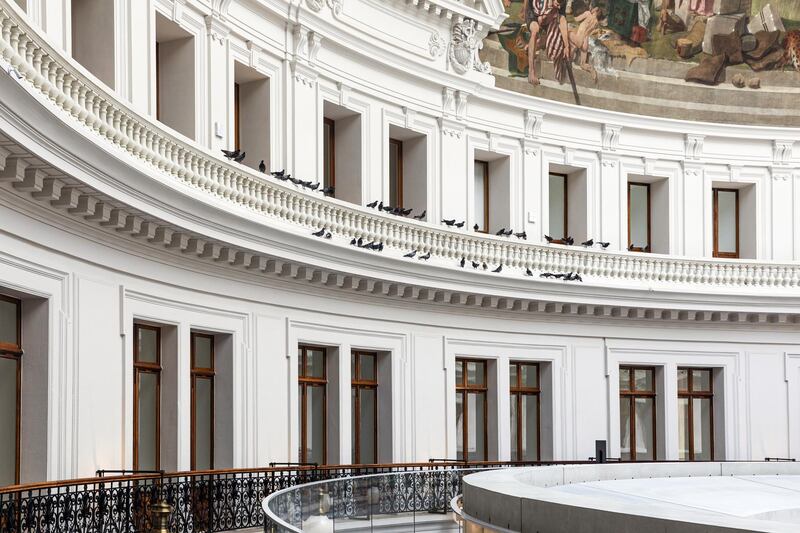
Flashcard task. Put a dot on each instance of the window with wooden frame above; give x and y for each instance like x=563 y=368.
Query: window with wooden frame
x=482 y=196
x=471 y=410
x=638 y=217
x=695 y=414
x=364 y=407
x=637 y=413
x=203 y=374
x=525 y=412
x=146 y=397
x=395 y=173
x=237 y=129
x=726 y=222
x=312 y=397
x=558 y=229
x=10 y=388
x=329 y=152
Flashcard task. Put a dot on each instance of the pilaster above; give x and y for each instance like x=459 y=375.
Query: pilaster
x=454 y=170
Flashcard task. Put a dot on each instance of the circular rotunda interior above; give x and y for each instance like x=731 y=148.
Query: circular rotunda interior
x=316 y=264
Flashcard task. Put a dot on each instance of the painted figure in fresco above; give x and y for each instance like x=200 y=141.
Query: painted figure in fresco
x=549 y=17
x=588 y=21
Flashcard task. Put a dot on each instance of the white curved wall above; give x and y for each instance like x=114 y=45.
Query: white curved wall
x=98 y=276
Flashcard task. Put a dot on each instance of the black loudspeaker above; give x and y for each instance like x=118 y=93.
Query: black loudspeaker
x=600 y=451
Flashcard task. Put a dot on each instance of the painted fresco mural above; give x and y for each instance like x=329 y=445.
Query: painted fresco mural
x=585 y=47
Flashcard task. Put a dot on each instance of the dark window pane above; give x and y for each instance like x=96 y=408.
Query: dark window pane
x=315 y=363
x=480 y=196
x=459 y=373
x=514 y=423
x=460 y=425
x=726 y=221
x=683 y=429
x=8 y=322
x=624 y=379
x=8 y=421
x=643 y=379
x=394 y=172
x=203 y=350
x=512 y=375
x=639 y=220
x=558 y=194
x=475 y=372
x=701 y=422
x=683 y=379
x=530 y=421
x=148 y=421
x=701 y=380
x=148 y=345
x=369 y=405
x=315 y=424
x=477 y=425
x=530 y=376
x=625 y=428
x=643 y=425
x=327 y=152
x=367 y=367
x=353 y=426
x=203 y=419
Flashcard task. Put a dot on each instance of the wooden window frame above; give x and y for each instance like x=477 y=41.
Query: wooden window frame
x=563 y=238
x=237 y=134
x=331 y=161
x=631 y=394
x=203 y=373
x=358 y=384
x=690 y=393
x=518 y=392
x=304 y=382
x=485 y=165
x=14 y=352
x=464 y=388
x=399 y=184
x=151 y=368
x=649 y=246
x=715 y=195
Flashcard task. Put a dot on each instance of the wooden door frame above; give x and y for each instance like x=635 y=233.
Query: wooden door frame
x=202 y=373
x=332 y=143
x=465 y=389
x=358 y=384
x=14 y=352
x=304 y=382
x=399 y=183
x=485 y=165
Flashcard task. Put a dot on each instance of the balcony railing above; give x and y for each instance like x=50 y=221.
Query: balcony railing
x=209 y=501
x=74 y=95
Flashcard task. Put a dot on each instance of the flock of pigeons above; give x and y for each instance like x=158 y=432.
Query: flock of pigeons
x=237 y=157
x=323 y=233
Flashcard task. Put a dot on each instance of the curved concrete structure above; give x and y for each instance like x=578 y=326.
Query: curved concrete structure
x=626 y=497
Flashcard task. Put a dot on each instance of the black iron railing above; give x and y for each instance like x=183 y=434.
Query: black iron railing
x=209 y=501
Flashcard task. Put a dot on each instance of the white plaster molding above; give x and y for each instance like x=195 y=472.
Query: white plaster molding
x=533 y=123
x=782 y=151
x=465 y=44
x=461 y=104
x=216 y=29
x=448 y=101
x=611 y=134
x=693 y=146
x=436 y=44
x=452 y=128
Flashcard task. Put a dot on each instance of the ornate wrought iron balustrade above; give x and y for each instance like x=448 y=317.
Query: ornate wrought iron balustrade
x=202 y=501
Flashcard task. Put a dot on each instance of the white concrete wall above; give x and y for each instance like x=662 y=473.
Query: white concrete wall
x=104 y=291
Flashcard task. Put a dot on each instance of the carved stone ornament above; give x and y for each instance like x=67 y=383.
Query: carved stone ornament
x=436 y=44
x=464 y=48
x=315 y=5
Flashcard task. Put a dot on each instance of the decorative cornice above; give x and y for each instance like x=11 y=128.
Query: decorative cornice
x=452 y=128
